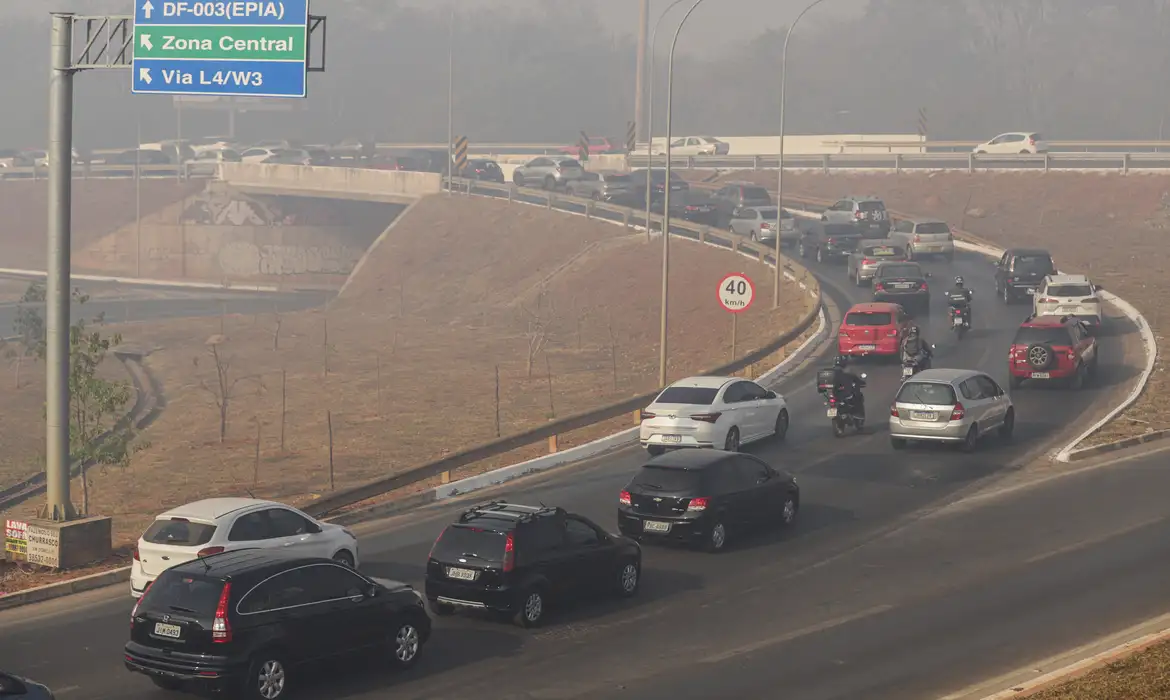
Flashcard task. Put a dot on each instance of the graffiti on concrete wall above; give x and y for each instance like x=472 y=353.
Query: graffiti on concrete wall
x=246 y=259
x=215 y=208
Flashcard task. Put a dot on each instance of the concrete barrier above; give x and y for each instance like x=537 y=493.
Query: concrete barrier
x=390 y=185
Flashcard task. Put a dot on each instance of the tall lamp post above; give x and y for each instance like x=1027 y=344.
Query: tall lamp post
x=666 y=198
x=780 y=165
x=650 y=111
x=450 y=98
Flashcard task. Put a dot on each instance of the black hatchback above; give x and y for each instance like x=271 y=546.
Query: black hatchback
x=705 y=497
x=519 y=560
x=248 y=621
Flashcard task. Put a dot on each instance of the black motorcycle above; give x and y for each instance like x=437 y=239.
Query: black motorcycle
x=960 y=319
x=913 y=365
x=844 y=410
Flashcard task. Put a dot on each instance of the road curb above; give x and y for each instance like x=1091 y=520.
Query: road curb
x=63 y=588
x=1124 y=443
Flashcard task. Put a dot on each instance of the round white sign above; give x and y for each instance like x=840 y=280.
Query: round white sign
x=736 y=292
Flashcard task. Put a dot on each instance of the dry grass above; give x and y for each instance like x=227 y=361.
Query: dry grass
x=1142 y=676
x=1111 y=227
x=407 y=373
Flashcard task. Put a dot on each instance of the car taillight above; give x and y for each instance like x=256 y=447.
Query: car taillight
x=221 y=629
x=831 y=241
x=1072 y=355
x=510 y=552
x=1031 y=141
x=646 y=415
x=134 y=612
x=917 y=238
x=893 y=411
x=867 y=261
x=208 y=551
x=1046 y=301
x=706 y=417
x=624 y=498
x=136 y=554
x=832 y=400
x=879 y=287
x=925 y=288
x=436 y=544
x=698 y=504
x=858 y=215
x=892 y=333
x=766 y=225
x=958 y=412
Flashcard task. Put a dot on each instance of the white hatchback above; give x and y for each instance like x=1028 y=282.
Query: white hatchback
x=1069 y=295
x=1023 y=142
x=215 y=525
x=718 y=412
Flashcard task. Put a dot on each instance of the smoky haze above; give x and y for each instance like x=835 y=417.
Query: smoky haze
x=541 y=70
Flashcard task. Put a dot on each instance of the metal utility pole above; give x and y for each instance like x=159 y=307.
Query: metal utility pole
x=780 y=164
x=450 y=97
x=650 y=113
x=641 y=77
x=58 y=506
x=662 y=331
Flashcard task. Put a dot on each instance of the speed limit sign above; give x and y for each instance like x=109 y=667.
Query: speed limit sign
x=736 y=292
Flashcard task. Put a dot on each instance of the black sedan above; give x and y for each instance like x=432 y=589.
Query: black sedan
x=902 y=283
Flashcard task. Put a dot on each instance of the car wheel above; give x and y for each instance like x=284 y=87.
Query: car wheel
x=629 y=578
x=971 y=440
x=717 y=537
x=898 y=443
x=788 y=511
x=531 y=612
x=442 y=609
x=655 y=450
x=1025 y=152
x=780 y=432
x=731 y=442
x=405 y=645
x=344 y=558
x=1009 y=425
x=267 y=677
x=167 y=683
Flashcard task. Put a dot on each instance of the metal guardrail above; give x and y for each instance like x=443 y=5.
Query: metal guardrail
x=98 y=171
x=1070 y=146
x=340 y=499
x=898 y=162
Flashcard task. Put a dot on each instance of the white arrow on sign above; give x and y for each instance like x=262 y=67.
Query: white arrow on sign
x=144 y=75
x=736 y=292
x=146 y=42
x=147 y=8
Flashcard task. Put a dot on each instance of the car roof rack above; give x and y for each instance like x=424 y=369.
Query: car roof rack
x=503 y=509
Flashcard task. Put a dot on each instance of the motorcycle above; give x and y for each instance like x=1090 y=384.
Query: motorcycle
x=959 y=323
x=912 y=366
x=842 y=414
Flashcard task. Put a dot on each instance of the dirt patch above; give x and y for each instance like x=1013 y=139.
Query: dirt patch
x=18 y=576
x=99 y=207
x=404 y=366
x=1142 y=676
x=1109 y=226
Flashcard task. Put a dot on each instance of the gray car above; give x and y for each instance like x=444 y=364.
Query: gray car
x=925 y=237
x=950 y=405
x=759 y=224
x=867 y=213
x=549 y=172
x=602 y=187
x=864 y=261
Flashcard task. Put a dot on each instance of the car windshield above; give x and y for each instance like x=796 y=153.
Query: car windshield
x=932 y=227
x=899 y=271
x=871 y=206
x=183 y=592
x=693 y=395
x=651 y=478
x=1033 y=263
x=928 y=393
x=179 y=532
x=767 y=213
x=1053 y=335
x=756 y=193
x=462 y=541
x=869 y=318
x=1070 y=290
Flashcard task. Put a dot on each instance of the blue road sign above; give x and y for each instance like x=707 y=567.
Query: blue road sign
x=220 y=47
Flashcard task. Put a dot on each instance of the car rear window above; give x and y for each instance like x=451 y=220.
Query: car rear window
x=1055 y=335
x=1037 y=263
x=756 y=193
x=927 y=393
x=1036 y=137
x=869 y=318
x=701 y=396
x=174 y=590
x=666 y=479
x=617 y=178
x=178 y=532
x=460 y=541
x=569 y=163
x=932 y=227
x=900 y=271
x=767 y=213
x=1070 y=290
x=871 y=206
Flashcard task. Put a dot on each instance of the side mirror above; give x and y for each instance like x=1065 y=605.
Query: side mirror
x=770 y=395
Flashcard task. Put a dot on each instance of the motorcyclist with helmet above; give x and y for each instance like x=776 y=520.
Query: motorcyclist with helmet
x=959 y=297
x=848 y=386
x=916 y=349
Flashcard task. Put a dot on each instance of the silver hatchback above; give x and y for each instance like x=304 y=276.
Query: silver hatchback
x=950 y=405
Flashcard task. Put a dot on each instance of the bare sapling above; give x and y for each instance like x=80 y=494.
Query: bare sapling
x=552 y=409
x=497 y=401
x=256 y=455
x=612 y=351
x=539 y=327
x=224 y=385
x=325 y=348
x=278 y=322
x=329 y=423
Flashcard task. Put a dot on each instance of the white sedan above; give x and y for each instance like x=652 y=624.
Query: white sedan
x=217 y=525
x=718 y=412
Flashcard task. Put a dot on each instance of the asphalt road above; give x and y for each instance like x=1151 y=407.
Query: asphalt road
x=863 y=598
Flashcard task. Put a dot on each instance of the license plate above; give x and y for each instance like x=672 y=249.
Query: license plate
x=907 y=371
x=867 y=347
x=957 y=321
x=461 y=574
x=164 y=630
x=672 y=438
x=832 y=413
x=1040 y=375
x=923 y=415
x=1068 y=309
x=655 y=526
x=1030 y=291
x=901 y=286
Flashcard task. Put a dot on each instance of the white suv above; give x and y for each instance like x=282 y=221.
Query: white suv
x=1069 y=295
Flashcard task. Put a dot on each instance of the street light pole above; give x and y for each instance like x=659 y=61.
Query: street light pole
x=650 y=112
x=666 y=199
x=450 y=97
x=780 y=165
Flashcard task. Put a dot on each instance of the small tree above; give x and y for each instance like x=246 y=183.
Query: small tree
x=223 y=387
x=29 y=327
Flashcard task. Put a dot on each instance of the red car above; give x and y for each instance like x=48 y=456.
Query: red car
x=598 y=145
x=875 y=328
x=1052 y=347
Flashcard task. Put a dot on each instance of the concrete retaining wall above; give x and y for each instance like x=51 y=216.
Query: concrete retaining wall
x=295 y=178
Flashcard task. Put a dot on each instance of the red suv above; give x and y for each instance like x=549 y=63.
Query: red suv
x=1052 y=347
x=875 y=328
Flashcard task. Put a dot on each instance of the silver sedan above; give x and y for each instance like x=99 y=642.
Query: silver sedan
x=957 y=406
x=760 y=224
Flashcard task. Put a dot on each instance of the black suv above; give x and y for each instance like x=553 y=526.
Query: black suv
x=1020 y=271
x=704 y=497
x=902 y=283
x=243 y=621
x=518 y=559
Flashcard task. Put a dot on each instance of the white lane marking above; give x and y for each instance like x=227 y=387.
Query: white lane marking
x=795 y=634
x=1096 y=539
x=66 y=689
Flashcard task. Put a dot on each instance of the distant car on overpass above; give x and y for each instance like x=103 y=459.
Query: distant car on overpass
x=598 y=145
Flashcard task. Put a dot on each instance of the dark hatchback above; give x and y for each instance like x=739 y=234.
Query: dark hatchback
x=902 y=283
x=482 y=169
x=519 y=560
x=657 y=184
x=687 y=206
x=1019 y=272
x=706 y=497
x=248 y=621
